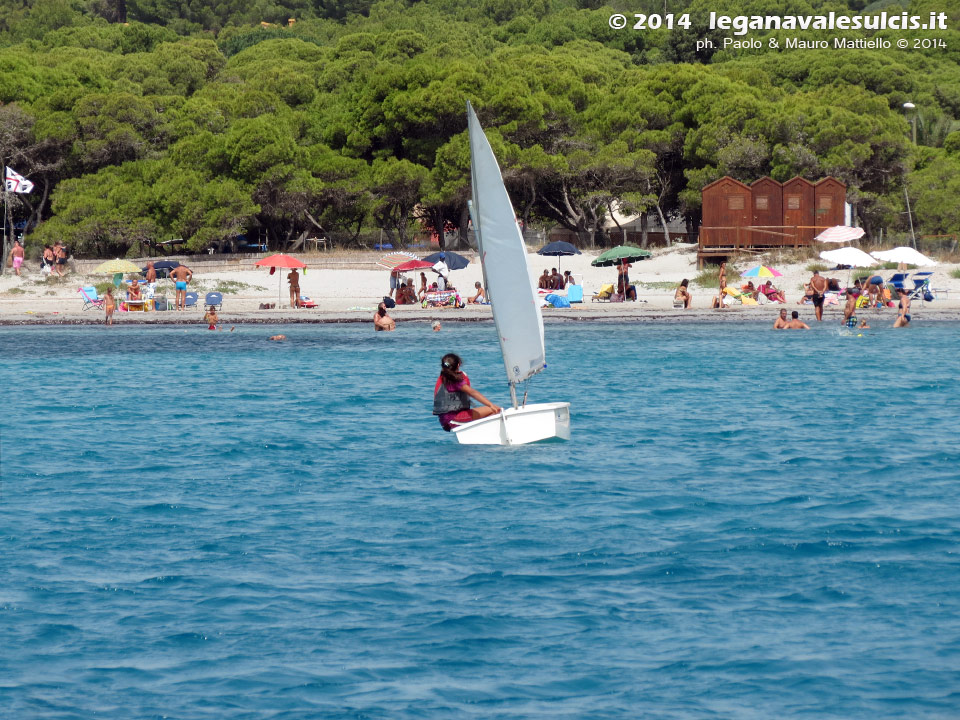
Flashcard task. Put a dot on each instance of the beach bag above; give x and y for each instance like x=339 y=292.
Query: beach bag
x=389 y=302
x=160 y=303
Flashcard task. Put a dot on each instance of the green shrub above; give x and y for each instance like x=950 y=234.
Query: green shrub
x=710 y=278
x=818 y=266
x=232 y=287
x=955 y=273
x=656 y=285
x=102 y=287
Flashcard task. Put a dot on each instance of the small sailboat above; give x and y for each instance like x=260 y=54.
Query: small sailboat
x=516 y=310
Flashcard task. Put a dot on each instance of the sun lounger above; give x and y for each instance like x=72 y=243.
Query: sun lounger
x=921 y=287
x=212 y=300
x=190 y=299
x=90 y=298
x=605 y=294
x=730 y=294
x=575 y=293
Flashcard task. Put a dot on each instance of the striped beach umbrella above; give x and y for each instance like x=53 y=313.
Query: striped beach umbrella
x=840 y=234
x=762 y=271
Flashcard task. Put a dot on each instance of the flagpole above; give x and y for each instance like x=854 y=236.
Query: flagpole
x=3 y=260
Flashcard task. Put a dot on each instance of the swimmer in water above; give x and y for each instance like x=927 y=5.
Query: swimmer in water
x=278 y=338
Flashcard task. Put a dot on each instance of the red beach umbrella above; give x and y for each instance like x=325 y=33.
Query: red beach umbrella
x=412 y=265
x=280 y=261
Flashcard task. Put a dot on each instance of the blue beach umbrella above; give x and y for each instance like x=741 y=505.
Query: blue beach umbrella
x=451 y=259
x=558 y=249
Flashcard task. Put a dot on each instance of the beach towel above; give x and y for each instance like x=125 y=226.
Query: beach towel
x=558 y=301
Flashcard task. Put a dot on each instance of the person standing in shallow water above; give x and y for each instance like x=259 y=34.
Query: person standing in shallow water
x=452 y=394
x=382 y=321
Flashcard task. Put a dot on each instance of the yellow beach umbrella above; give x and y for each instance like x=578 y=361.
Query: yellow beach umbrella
x=117 y=266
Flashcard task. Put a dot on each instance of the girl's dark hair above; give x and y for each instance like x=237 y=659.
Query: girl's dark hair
x=684 y=282
x=450 y=368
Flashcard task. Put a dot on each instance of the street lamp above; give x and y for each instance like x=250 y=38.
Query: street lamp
x=913 y=119
x=908 y=106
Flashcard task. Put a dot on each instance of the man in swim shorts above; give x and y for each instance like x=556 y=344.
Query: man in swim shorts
x=819 y=286
x=181 y=275
x=17 y=255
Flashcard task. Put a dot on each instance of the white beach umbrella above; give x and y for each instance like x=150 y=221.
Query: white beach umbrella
x=840 y=234
x=854 y=257
x=904 y=255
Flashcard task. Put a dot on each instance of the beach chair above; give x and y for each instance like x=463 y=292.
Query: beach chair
x=898 y=280
x=743 y=298
x=604 y=294
x=575 y=293
x=921 y=287
x=90 y=298
x=190 y=299
x=212 y=300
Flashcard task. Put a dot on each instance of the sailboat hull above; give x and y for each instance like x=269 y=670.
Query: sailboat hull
x=520 y=426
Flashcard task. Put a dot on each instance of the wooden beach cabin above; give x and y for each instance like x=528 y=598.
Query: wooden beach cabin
x=766 y=196
x=798 y=209
x=830 y=196
x=767 y=214
x=726 y=212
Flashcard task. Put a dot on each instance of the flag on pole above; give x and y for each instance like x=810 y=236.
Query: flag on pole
x=17 y=183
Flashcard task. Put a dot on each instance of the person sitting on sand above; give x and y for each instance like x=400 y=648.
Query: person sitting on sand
x=109 y=305
x=382 y=321
x=544 y=282
x=404 y=295
x=682 y=295
x=781 y=322
x=556 y=280
x=480 y=298
x=452 y=393
x=568 y=278
x=749 y=289
x=796 y=323
x=772 y=294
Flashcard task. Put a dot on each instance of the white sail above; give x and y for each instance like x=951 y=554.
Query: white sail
x=516 y=311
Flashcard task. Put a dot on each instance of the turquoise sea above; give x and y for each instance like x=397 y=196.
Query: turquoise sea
x=745 y=524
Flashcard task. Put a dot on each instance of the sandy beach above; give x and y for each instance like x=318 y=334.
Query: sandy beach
x=348 y=285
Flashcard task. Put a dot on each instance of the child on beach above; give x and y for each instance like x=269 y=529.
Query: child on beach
x=109 y=305
x=211 y=318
